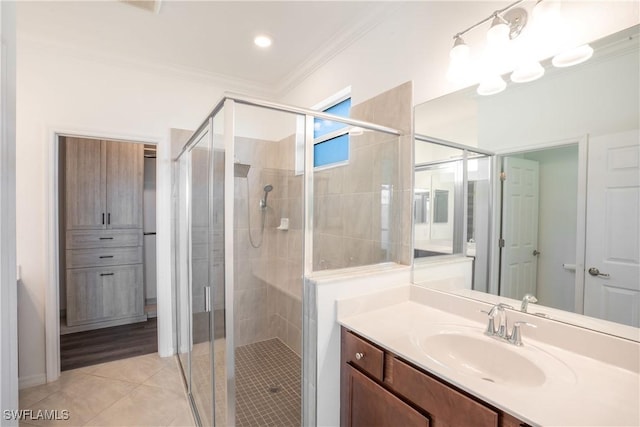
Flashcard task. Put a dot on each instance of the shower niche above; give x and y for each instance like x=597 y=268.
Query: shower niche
x=243 y=193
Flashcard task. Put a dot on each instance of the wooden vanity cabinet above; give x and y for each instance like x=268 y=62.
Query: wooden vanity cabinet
x=380 y=389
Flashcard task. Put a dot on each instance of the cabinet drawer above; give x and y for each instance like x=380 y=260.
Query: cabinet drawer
x=438 y=399
x=87 y=239
x=78 y=258
x=366 y=356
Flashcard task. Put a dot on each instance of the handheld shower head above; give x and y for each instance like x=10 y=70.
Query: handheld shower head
x=267 y=189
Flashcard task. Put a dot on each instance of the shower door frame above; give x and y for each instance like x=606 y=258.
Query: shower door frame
x=227 y=105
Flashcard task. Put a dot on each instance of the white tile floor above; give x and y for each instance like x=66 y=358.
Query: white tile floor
x=140 y=391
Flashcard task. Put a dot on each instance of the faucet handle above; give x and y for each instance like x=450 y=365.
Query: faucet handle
x=491 y=328
x=516 y=336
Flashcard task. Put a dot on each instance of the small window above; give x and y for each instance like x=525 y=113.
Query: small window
x=331 y=139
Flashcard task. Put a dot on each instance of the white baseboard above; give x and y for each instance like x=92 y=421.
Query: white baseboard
x=32 y=380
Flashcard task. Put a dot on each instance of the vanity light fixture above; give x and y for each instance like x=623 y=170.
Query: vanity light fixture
x=262 y=41
x=506 y=25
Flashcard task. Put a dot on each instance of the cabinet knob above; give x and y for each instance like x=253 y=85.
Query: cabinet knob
x=359 y=356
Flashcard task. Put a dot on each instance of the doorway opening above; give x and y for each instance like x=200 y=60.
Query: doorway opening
x=539 y=225
x=107 y=250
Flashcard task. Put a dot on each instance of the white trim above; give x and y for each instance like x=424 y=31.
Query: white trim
x=8 y=288
x=357 y=28
x=334 y=99
x=581 y=223
x=32 y=380
x=52 y=288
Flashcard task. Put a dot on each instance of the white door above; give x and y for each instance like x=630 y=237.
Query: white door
x=613 y=229
x=519 y=228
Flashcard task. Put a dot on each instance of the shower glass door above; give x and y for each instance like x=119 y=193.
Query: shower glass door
x=199 y=276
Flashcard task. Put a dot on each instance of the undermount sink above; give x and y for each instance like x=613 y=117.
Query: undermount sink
x=467 y=351
x=482 y=357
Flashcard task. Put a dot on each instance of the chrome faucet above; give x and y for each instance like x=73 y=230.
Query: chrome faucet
x=526 y=300
x=502 y=330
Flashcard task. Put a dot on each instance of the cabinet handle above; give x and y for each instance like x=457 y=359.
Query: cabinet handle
x=106 y=238
x=103 y=219
x=359 y=356
x=106 y=274
x=106 y=256
x=109 y=218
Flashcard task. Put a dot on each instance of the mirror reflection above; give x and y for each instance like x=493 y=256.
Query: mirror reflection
x=558 y=219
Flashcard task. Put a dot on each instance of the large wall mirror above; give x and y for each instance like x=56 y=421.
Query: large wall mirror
x=540 y=187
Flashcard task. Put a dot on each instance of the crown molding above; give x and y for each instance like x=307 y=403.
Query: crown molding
x=336 y=44
x=223 y=81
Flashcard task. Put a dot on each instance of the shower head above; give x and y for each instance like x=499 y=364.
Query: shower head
x=240 y=170
x=267 y=190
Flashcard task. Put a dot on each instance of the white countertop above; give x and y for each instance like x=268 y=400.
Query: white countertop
x=578 y=390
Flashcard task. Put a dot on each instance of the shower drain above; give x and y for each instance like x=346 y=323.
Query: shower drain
x=275 y=388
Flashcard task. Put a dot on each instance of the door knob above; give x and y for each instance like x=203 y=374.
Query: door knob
x=595 y=272
x=536 y=252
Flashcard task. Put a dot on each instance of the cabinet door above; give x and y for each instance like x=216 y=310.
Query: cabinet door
x=124 y=164
x=84 y=188
x=101 y=294
x=370 y=405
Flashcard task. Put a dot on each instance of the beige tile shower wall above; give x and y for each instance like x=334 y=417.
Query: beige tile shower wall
x=269 y=278
x=362 y=211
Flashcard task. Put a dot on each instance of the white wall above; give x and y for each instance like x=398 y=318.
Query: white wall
x=8 y=288
x=66 y=93
x=414 y=42
x=598 y=97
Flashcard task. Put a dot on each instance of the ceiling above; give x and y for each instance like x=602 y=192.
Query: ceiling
x=210 y=37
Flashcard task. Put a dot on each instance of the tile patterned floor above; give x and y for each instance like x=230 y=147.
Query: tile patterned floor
x=140 y=391
x=268 y=385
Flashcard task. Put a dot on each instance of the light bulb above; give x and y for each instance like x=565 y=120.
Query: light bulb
x=546 y=12
x=460 y=50
x=491 y=85
x=527 y=72
x=573 y=56
x=498 y=34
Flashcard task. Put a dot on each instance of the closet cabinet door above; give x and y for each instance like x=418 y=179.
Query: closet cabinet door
x=84 y=184
x=106 y=293
x=124 y=172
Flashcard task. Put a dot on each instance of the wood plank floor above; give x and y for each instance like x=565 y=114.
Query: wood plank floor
x=104 y=345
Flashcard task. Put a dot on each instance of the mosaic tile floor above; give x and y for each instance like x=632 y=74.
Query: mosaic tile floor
x=268 y=384
x=268 y=387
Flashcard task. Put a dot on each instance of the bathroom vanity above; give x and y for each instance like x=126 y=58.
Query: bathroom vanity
x=414 y=356
x=380 y=388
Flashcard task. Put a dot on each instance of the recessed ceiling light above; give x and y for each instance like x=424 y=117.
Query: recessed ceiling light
x=262 y=41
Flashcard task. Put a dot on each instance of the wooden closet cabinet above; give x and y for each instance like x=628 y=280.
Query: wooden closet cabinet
x=102 y=186
x=379 y=389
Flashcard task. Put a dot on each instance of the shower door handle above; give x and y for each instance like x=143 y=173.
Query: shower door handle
x=207 y=299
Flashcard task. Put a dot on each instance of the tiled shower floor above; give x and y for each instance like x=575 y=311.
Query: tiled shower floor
x=268 y=385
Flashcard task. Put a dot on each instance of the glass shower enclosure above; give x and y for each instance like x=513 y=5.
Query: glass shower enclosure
x=246 y=198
